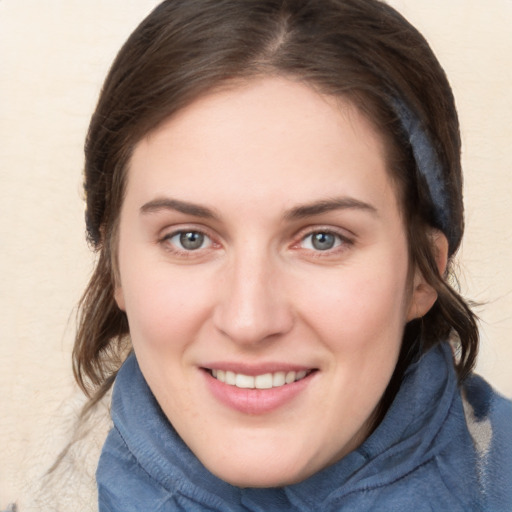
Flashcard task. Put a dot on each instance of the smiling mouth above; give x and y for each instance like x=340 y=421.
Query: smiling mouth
x=263 y=381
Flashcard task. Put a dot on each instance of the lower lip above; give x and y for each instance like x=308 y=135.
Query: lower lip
x=256 y=401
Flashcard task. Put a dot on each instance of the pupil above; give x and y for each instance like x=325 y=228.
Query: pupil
x=191 y=240
x=323 y=241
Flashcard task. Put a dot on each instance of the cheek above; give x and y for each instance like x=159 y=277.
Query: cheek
x=164 y=307
x=361 y=320
x=359 y=306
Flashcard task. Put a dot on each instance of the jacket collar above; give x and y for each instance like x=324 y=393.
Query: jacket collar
x=410 y=434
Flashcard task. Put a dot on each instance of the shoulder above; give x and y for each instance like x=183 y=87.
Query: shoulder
x=488 y=416
x=489 y=421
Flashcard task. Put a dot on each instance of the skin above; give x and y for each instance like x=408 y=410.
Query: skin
x=243 y=166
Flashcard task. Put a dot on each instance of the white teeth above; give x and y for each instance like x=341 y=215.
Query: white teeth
x=244 y=381
x=290 y=377
x=279 y=379
x=264 y=381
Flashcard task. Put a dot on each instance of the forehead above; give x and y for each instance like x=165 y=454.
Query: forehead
x=269 y=138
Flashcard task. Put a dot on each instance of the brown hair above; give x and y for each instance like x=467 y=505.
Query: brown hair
x=362 y=50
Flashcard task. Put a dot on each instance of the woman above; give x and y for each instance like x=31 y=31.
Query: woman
x=274 y=189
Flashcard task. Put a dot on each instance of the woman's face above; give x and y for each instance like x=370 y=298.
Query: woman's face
x=264 y=272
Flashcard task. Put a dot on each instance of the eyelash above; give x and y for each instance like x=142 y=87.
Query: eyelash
x=341 y=242
x=167 y=242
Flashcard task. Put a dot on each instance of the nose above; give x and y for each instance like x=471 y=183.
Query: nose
x=253 y=306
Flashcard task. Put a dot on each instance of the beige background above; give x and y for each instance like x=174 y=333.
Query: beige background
x=53 y=57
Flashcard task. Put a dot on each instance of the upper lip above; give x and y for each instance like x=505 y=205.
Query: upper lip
x=256 y=369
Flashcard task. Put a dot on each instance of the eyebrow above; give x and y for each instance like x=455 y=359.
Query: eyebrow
x=328 y=205
x=185 y=207
x=296 y=213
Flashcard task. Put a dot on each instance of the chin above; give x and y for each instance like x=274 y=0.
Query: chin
x=258 y=479
x=275 y=473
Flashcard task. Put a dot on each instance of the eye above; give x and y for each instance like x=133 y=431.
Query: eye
x=189 y=240
x=321 y=241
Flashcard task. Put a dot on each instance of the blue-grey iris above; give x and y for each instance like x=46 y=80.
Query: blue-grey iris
x=191 y=240
x=323 y=241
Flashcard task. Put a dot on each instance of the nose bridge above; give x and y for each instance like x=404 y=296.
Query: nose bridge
x=253 y=306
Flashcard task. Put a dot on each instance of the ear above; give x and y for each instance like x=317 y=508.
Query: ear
x=119 y=297
x=423 y=294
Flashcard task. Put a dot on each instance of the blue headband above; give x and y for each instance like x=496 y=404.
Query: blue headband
x=430 y=168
